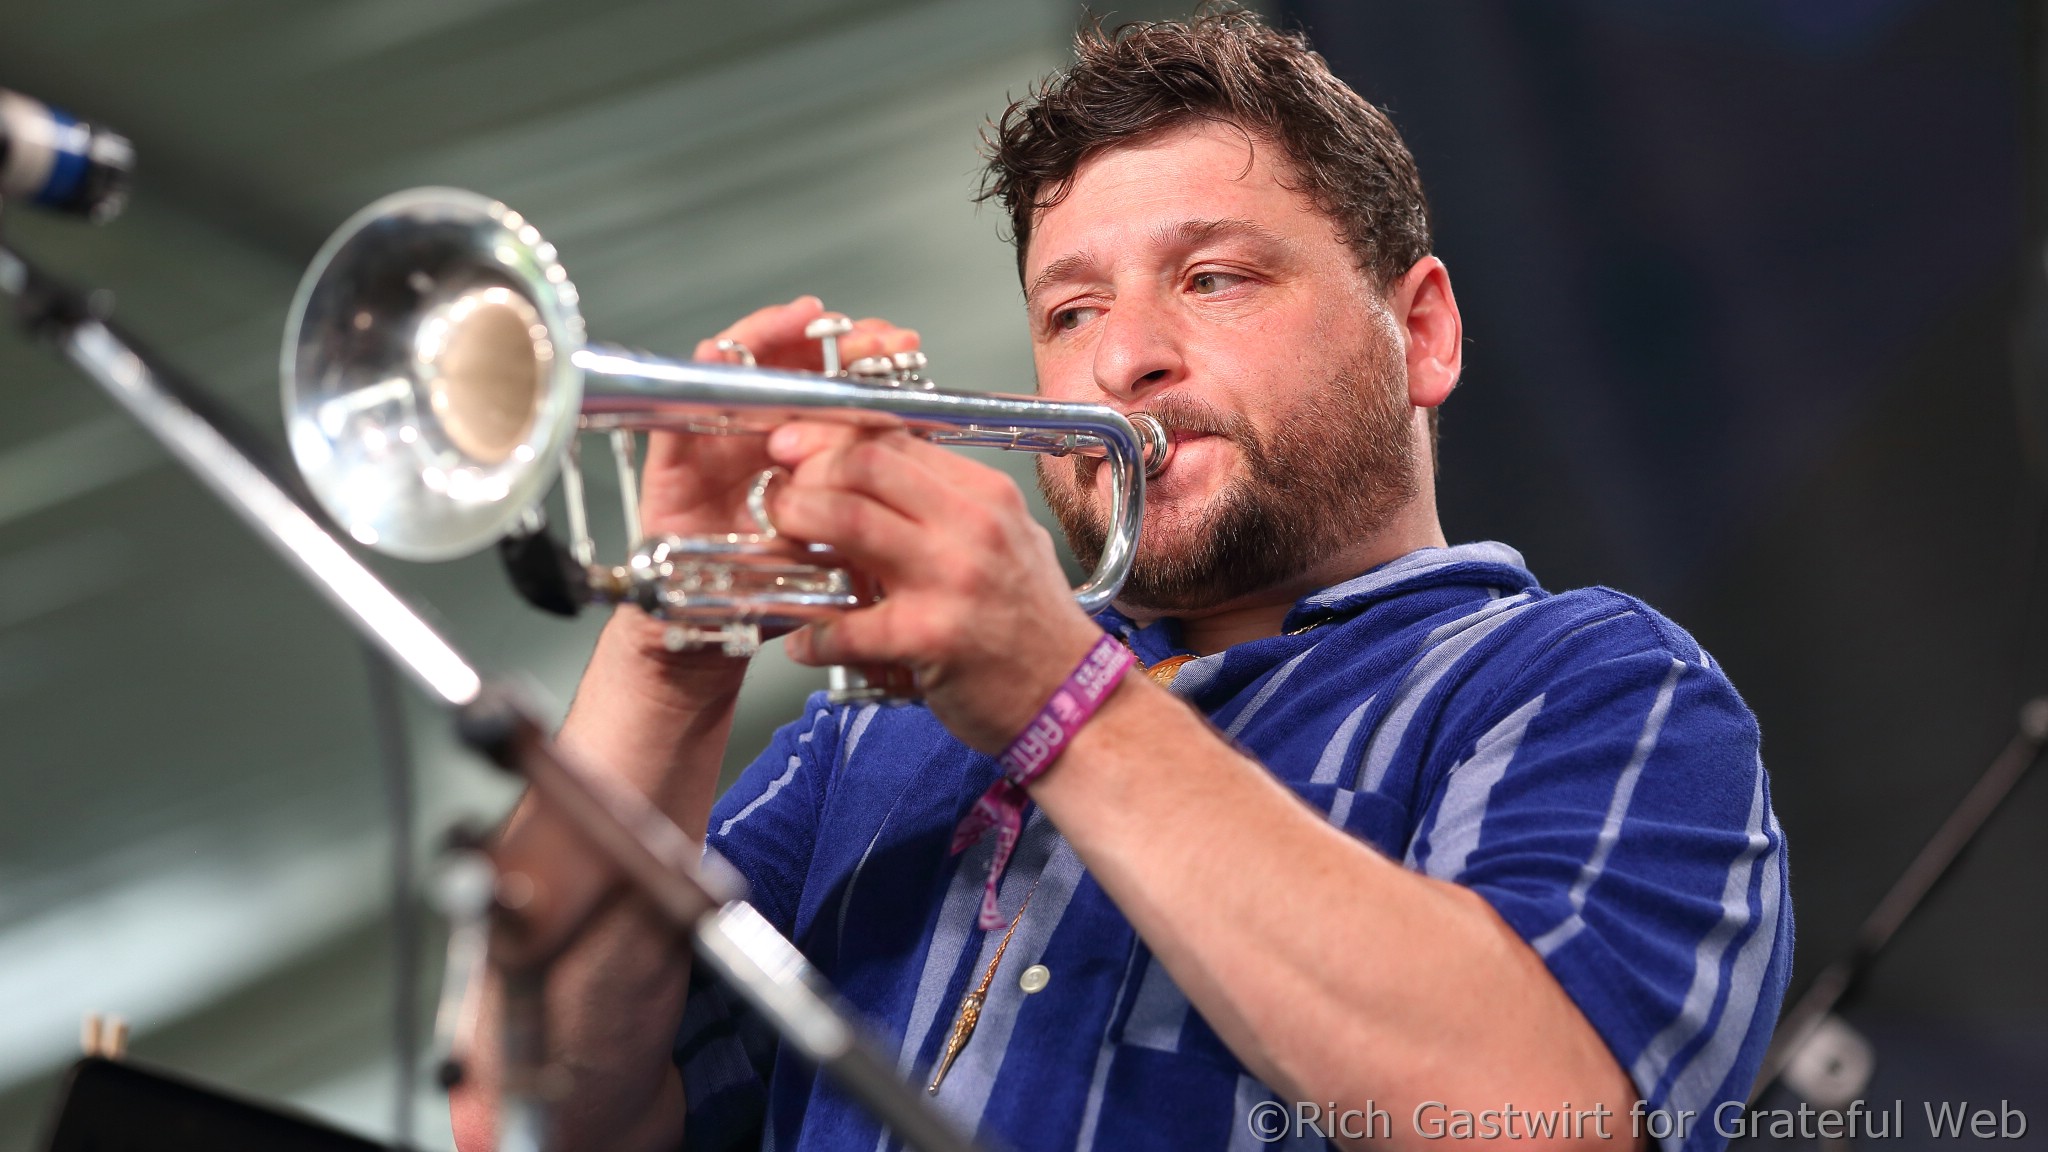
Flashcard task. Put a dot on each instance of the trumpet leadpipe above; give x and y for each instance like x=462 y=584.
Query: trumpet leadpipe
x=1153 y=442
x=630 y=389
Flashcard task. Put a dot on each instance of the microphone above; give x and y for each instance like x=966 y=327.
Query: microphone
x=54 y=159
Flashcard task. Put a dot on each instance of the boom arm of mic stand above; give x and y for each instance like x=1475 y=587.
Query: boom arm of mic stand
x=1839 y=979
x=628 y=834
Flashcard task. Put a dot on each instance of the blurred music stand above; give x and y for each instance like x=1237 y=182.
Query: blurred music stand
x=114 y=1106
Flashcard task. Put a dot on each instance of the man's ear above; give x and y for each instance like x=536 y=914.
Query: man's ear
x=1432 y=330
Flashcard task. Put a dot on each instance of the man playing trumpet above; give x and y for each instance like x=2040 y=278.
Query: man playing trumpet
x=1324 y=817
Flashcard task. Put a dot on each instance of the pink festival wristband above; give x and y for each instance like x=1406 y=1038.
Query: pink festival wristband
x=1030 y=754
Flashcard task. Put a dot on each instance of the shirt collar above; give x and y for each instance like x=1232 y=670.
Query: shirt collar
x=1485 y=563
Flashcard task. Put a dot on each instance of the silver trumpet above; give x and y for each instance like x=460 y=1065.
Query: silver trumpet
x=436 y=374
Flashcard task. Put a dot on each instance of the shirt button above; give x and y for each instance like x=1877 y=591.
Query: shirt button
x=1035 y=978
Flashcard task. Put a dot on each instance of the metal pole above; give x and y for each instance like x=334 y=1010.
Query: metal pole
x=1956 y=833
x=394 y=756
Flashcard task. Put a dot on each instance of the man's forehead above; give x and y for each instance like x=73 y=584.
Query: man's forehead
x=1189 y=184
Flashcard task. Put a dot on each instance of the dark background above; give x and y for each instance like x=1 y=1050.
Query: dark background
x=1743 y=284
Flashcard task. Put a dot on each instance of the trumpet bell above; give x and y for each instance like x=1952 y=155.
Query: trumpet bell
x=428 y=372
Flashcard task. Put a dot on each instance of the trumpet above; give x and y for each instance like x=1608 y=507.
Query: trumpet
x=436 y=374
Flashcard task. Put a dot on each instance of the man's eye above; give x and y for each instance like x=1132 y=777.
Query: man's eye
x=1208 y=283
x=1068 y=319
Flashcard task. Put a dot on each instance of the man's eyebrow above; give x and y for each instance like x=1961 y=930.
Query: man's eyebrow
x=1061 y=269
x=1181 y=234
x=1191 y=233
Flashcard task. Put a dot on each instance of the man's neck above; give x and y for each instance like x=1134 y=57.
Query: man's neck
x=1259 y=615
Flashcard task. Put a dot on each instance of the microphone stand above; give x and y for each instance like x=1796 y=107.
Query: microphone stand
x=1802 y=1023
x=541 y=900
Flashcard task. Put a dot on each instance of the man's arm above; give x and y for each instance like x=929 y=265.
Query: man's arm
x=615 y=997
x=1334 y=973
x=1630 y=875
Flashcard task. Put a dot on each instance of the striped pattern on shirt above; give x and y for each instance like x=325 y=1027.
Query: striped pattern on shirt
x=1575 y=759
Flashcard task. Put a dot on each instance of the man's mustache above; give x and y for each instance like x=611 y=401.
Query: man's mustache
x=1185 y=415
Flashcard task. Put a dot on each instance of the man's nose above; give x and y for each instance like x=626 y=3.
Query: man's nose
x=1138 y=352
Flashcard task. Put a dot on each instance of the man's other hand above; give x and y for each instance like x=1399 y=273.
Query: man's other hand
x=695 y=484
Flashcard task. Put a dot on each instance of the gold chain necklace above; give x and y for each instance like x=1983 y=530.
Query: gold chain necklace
x=1164 y=672
x=970 y=1005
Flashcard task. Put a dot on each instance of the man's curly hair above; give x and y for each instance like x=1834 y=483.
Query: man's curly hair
x=1224 y=65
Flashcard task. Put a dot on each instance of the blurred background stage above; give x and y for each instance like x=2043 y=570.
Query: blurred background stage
x=1742 y=280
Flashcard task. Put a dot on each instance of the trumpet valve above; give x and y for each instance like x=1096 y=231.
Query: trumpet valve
x=871 y=684
x=611 y=583
x=902 y=370
x=827 y=330
x=909 y=370
x=737 y=638
x=872 y=370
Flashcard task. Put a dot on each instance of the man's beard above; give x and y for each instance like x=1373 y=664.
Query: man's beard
x=1334 y=471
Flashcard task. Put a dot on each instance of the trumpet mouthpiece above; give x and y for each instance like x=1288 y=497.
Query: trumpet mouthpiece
x=1153 y=442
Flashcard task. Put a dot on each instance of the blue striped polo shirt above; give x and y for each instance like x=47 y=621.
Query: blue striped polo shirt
x=1575 y=758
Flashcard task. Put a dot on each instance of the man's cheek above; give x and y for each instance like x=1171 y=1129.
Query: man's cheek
x=1098 y=481
x=1077 y=475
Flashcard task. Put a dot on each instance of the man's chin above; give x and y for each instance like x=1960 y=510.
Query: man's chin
x=1174 y=573
x=1176 y=536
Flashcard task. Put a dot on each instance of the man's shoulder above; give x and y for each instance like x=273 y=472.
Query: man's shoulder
x=1599 y=622
x=1589 y=644
x=1481 y=597
x=1492 y=626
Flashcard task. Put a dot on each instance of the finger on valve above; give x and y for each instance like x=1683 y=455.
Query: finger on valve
x=774 y=335
x=877 y=337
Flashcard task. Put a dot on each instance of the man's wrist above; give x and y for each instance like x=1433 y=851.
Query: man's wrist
x=653 y=720
x=1044 y=737
x=1088 y=683
x=1009 y=699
